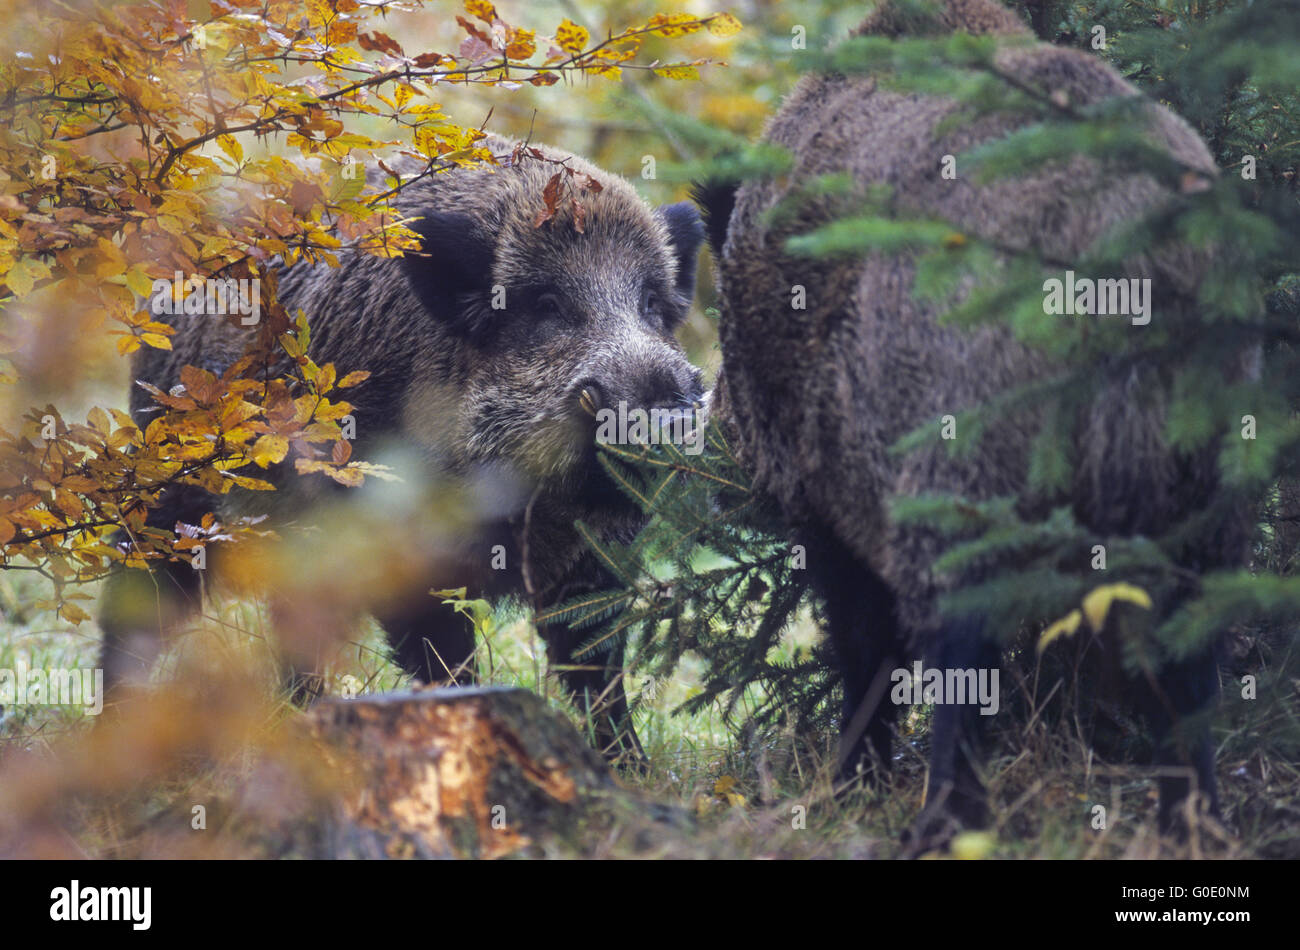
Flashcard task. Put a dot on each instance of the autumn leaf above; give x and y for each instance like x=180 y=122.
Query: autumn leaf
x=348 y=477
x=378 y=42
x=325 y=378
x=73 y=614
x=550 y=200
x=482 y=9
x=571 y=38
x=231 y=146
x=677 y=72
x=1096 y=605
x=521 y=44
x=252 y=484
x=355 y=378
x=270 y=449
x=1067 y=626
x=674 y=24
x=138 y=282
x=724 y=24
x=724 y=790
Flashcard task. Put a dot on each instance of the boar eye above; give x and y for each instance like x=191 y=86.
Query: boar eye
x=652 y=304
x=548 y=305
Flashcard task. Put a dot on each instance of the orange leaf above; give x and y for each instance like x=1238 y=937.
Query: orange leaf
x=355 y=378
x=481 y=9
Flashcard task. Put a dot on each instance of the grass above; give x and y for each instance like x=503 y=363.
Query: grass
x=751 y=794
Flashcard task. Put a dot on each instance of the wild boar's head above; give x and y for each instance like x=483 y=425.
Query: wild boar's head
x=548 y=323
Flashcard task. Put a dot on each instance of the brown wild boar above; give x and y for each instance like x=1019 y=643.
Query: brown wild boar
x=489 y=351
x=815 y=397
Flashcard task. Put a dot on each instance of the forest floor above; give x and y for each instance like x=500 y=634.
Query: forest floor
x=745 y=794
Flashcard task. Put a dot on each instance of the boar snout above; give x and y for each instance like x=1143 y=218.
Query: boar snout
x=671 y=386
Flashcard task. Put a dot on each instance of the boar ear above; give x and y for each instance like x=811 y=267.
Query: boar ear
x=716 y=202
x=685 y=231
x=452 y=273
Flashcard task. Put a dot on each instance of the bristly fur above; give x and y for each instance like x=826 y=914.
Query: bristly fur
x=816 y=397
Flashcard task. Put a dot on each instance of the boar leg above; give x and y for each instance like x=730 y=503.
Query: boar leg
x=431 y=641
x=596 y=681
x=955 y=797
x=140 y=607
x=1179 y=716
x=864 y=632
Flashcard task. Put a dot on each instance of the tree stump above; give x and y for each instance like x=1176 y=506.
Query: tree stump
x=465 y=772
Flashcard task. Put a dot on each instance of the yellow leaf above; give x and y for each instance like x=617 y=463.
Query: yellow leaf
x=111 y=259
x=156 y=340
x=26 y=271
x=678 y=72
x=100 y=420
x=673 y=24
x=973 y=845
x=1067 y=626
x=270 y=449
x=571 y=38
x=325 y=378
x=724 y=24
x=1097 y=604
x=72 y=613
x=481 y=9
x=138 y=282
x=349 y=476
x=230 y=145
x=254 y=484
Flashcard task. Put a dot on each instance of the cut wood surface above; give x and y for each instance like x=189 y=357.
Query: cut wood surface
x=466 y=772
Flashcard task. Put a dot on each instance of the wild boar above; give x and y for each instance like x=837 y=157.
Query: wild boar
x=816 y=397
x=490 y=351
